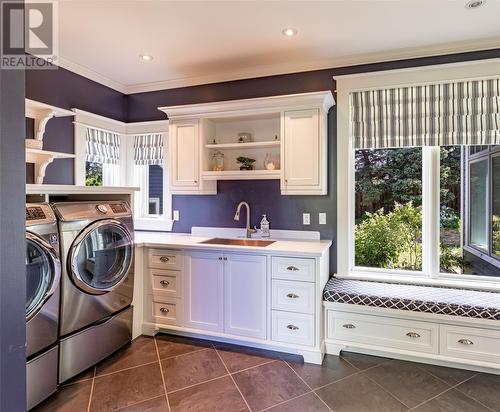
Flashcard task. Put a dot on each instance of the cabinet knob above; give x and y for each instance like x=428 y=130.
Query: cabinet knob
x=220 y=257
x=414 y=335
x=349 y=326
x=164 y=259
x=164 y=283
x=292 y=327
x=225 y=258
x=466 y=342
x=292 y=296
x=164 y=310
x=292 y=268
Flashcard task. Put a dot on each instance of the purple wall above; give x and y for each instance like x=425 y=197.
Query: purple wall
x=68 y=90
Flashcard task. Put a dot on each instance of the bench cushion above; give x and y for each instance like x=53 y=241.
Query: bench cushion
x=439 y=300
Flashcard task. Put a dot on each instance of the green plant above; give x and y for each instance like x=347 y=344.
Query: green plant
x=451 y=259
x=246 y=162
x=93 y=174
x=390 y=240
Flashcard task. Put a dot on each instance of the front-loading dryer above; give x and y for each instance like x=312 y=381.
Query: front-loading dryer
x=43 y=271
x=97 y=255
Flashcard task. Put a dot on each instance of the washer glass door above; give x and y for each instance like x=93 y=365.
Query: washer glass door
x=101 y=256
x=39 y=275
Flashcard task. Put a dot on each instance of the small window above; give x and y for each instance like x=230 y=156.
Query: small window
x=478 y=204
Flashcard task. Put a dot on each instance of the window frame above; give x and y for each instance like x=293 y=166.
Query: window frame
x=127 y=132
x=484 y=155
x=430 y=274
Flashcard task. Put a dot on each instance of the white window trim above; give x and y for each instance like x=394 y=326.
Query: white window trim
x=127 y=132
x=346 y=176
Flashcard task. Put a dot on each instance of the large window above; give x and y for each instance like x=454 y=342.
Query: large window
x=390 y=194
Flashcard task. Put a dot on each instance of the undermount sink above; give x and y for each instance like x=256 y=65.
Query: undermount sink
x=238 y=242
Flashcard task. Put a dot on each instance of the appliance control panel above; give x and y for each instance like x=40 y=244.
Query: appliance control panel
x=72 y=211
x=39 y=213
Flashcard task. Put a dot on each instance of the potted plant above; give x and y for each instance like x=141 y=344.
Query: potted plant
x=246 y=163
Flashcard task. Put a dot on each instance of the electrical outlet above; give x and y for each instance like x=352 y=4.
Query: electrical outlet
x=306 y=219
x=176 y=216
x=322 y=218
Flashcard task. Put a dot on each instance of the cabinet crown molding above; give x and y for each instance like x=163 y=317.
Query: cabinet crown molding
x=259 y=105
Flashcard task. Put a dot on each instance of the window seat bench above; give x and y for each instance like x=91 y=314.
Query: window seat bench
x=428 y=299
x=444 y=326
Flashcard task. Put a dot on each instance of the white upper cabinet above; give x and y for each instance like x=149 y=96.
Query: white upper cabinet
x=304 y=146
x=185 y=145
x=290 y=130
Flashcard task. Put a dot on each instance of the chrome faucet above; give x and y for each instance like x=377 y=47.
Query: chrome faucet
x=237 y=218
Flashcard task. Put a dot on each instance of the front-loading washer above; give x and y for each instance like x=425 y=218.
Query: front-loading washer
x=97 y=255
x=43 y=272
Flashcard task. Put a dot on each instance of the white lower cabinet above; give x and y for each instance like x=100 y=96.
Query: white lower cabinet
x=272 y=301
x=226 y=293
x=245 y=286
x=204 y=291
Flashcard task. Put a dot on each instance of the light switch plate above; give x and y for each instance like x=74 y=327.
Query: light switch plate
x=176 y=215
x=306 y=219
x=322 y=218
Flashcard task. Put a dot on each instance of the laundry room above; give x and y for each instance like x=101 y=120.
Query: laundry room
x=250 y=206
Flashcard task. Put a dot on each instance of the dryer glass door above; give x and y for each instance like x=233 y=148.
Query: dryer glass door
x=101 y=256
x=39 y=275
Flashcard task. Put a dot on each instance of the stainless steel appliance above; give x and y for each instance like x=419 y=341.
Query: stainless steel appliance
x=97 y=254
x=43 y=273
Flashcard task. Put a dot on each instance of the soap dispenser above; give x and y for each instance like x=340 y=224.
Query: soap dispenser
x=264 y=227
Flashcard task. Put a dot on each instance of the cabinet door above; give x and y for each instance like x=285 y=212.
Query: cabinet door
x=245 y=285
x=185 y=155
x=204 y=291
x=302 y=157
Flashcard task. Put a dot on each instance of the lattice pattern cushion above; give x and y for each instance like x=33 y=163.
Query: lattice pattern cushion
x=443 y=301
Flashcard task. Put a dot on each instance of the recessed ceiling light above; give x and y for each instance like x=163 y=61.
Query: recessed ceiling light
x=146 y=57
x=474 y=4
x=289 y=32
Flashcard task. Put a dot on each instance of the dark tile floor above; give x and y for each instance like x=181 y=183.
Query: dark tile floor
x=180 y=374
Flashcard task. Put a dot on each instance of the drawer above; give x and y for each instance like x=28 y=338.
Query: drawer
x=295 y=328
x=166 y=282
x=293 y=296
x=293 y=269
x=165 y=259
x=470 y=343
x=168 y=311
x=384 y=332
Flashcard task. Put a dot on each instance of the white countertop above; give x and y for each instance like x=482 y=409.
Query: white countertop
x=297 y=247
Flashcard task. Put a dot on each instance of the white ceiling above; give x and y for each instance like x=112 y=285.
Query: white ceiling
x=196 y=42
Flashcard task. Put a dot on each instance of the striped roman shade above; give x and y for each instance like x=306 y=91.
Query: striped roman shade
x=148 y=149
x=102 y=146
x=461 y=113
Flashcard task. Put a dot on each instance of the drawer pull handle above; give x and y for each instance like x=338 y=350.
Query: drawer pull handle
x=164 y=310
x=466 y=342
x=292 y=327
x=292 y=296
x=164 y=283
x=414 y=335
x=292 y=268
x=164 y=259
x=349 y=326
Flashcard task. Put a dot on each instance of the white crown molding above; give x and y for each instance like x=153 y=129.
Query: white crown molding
x=255 y=106
x=285 y=68
x=96 y=121
x=91 y=74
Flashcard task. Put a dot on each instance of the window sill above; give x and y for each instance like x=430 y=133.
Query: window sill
x=154 y=224
x=480 y=283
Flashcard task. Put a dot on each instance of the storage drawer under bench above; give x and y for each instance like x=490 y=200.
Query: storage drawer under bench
x=470 y=343
x=383 y=331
